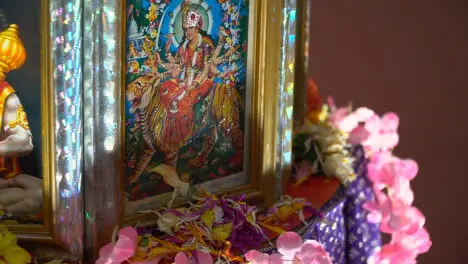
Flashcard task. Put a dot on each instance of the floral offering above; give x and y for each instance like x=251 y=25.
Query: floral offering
x=228 y=230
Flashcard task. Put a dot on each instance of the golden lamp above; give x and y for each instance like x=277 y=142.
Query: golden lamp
x=12 y=51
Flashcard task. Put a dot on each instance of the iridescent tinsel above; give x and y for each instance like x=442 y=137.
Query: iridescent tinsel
x=286 y=99
x=102 y=93
x=65 y=38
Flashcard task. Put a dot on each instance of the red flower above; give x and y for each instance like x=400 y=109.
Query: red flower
x=314 y=101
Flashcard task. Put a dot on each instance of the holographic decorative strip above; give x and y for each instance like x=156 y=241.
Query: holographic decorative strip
x=306 y=35
x=65 y=30
x=102 y=119
x=286 y=94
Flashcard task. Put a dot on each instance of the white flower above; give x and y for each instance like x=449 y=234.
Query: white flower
x=166 y=222
x=219 y=214
x=340 y=166
x=332 y=148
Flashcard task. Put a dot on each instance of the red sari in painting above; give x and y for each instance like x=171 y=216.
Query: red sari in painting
x=179 y=95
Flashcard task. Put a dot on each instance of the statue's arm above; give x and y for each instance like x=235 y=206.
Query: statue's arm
x=18 y=139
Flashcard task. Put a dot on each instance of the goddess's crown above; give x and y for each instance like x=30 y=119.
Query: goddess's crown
x=192 y=19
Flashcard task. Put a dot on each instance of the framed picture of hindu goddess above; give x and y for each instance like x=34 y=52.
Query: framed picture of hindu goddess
x=199 y=100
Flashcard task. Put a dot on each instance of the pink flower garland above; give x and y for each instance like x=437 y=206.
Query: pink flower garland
x=291 y=249
x=391 y=177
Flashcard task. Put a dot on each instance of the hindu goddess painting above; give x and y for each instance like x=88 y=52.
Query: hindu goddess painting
x=185 y=98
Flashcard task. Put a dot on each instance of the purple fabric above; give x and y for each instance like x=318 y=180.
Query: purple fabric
x=346 y=235
x=333 y=234
x=362 y=237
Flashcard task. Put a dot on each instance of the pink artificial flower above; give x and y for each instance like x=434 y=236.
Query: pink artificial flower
x=389 y=122
x=257 y=257
x=361 y=115
x=384 y=133
x=403 y=249
x=416 y=243
x=358 y=135
x=120 y=251
x=393 y=216
x=408 y=219
x=292 y=250
x=366 y=127
x=360 y=125
x=337 y=114
x=199 y=257
x=401 y=192
x=379 y=210
x=384 y=169
x=390 y=254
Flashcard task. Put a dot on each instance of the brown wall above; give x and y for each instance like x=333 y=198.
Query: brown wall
x=410 y=57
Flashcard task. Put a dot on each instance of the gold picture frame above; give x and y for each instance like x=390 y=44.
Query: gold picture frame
x=43 y=232
x=61 y=233
x=273 y=40
x=264 y=184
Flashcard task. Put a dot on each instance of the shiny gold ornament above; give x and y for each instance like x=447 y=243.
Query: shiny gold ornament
x=12 y=51
x=21 y=119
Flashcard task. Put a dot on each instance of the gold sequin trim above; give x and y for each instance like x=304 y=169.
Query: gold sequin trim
x=21 y=119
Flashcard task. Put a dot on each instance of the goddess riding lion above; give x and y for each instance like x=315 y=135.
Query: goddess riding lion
x=145 y=95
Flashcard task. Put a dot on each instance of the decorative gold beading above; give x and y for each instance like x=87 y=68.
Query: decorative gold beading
x=21 y=119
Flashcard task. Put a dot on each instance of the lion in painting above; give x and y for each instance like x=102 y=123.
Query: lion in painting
x=144 y=95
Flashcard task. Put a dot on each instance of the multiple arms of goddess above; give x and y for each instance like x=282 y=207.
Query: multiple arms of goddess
x=173 y=63
x=217 y=59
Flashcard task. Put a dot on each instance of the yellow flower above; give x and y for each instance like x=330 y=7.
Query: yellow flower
x=272 y=228
x=154 y=33
x=17 y=255
x=207 y=218
x=152 y=13
x=164 y=248
x=7 y=240
x=284 y=212
x=222 y=232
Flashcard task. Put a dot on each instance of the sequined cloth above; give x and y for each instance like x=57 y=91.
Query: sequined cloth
x=346 y=235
